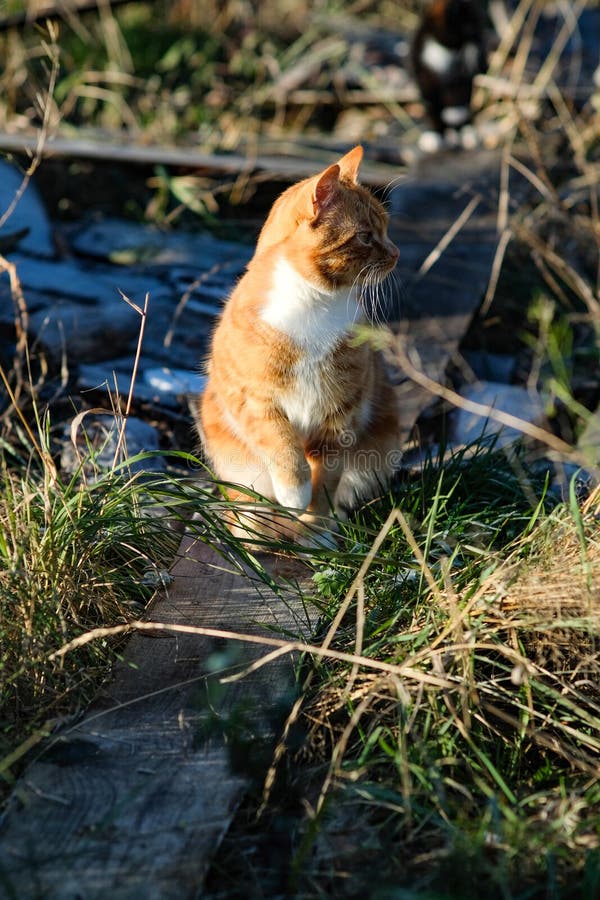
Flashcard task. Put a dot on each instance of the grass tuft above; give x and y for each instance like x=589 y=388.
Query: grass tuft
x=495 y=773
x=74 y=554
x=472 y=758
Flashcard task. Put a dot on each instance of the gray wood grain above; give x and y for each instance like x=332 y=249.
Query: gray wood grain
x=130 y=802
x=440 y=294
x=277 y=166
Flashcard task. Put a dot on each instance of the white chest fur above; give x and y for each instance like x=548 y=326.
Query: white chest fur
x=313 y=397
x=444 y=60
x=313 y=318
x=305 y=403
x=437 y=57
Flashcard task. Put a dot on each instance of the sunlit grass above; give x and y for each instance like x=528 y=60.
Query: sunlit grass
x=474 y=756
x=74 y=553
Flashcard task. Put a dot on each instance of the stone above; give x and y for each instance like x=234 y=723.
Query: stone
x=97 y=439
x=29 y=216
x=114 y=377
x=566 y=476
x=34 y=300
x=162 y=386
x=499 y=367
x=468 y=428
x=177 y=336
x=129 y=243
x=166 y=380
x=83 y=332
x=92 y=284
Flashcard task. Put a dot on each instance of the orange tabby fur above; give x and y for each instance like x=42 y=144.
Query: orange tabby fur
x=292 y=409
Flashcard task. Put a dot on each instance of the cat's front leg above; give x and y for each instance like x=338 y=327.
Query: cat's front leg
x=314 y=531
x=290 y=473
x=291 y=479
x=272 y=441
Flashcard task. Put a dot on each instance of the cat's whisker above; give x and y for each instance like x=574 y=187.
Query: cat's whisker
x=390 y=186
x=396 y=294
x=372 y=287
x=378 y=287
x=393 y=295
x=375 y=288
x=359 y=285
x=381 y=304
x=400 y=290
x=384 y=303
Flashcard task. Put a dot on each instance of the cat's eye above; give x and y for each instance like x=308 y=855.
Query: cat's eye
x=365 y=237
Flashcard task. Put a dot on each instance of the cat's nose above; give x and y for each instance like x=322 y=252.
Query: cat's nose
x=393 y=250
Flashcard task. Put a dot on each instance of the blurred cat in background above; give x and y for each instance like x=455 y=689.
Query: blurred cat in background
x=447 y=51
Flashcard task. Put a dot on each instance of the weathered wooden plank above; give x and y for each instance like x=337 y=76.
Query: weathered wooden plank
x=444 y=222
x=129 y=802
x=282 y=167
x=48 y=9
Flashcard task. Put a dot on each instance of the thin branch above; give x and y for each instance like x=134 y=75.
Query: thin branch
x=480 y=409
x=448 y=237
x=144 y=314
x=280 y=644
x=42 y=136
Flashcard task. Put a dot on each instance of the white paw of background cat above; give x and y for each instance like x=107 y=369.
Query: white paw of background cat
x=466 y=137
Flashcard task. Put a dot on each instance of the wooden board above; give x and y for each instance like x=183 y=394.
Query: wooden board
x=130 y=801
x=276 y=166
x=443 y=219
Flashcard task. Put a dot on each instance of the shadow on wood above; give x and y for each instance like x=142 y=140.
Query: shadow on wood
x=134 y=799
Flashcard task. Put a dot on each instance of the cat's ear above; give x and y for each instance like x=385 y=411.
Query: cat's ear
x=325 y=188
x=349 y=164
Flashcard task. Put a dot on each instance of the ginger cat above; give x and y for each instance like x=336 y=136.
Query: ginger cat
x=292 y=409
